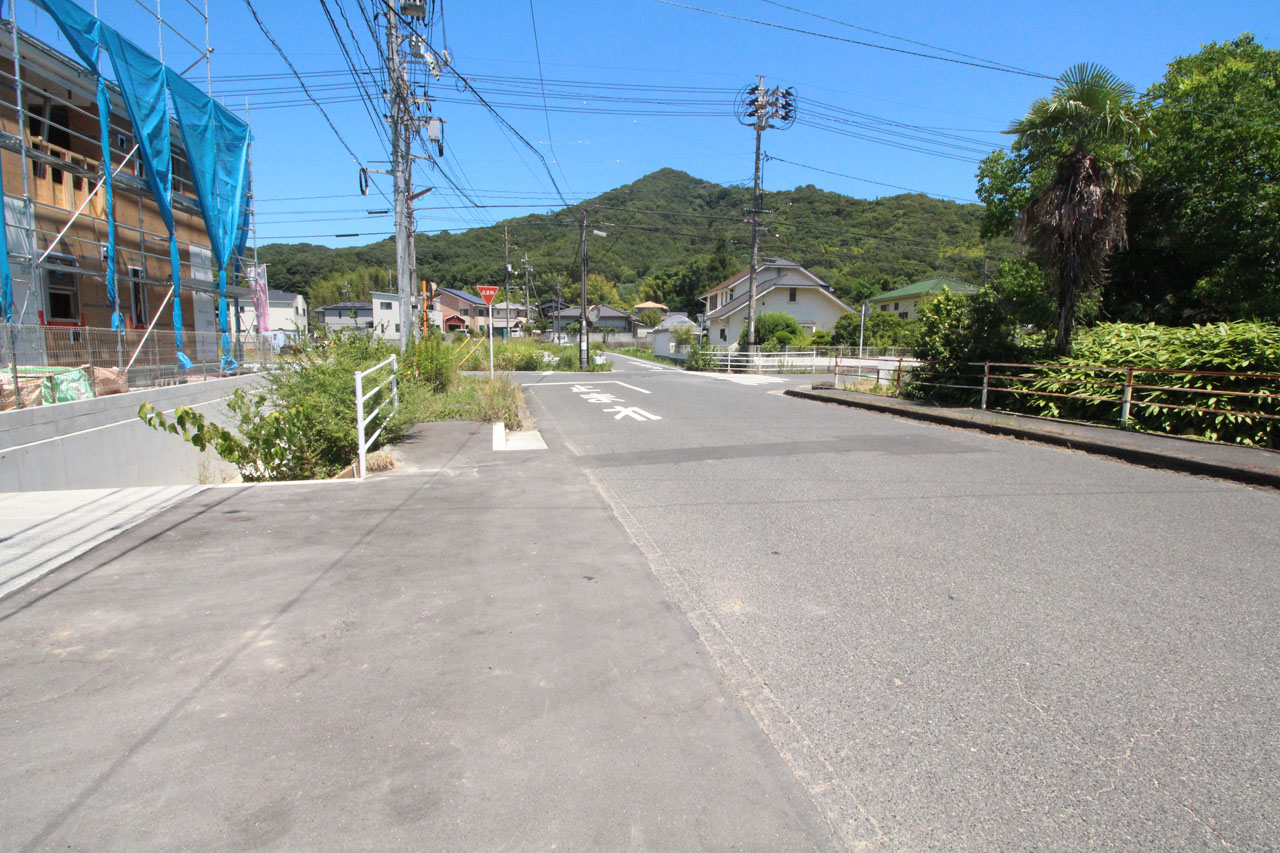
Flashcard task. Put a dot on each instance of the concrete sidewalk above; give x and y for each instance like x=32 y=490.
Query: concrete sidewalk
x=467 y=654
x=1251 y=465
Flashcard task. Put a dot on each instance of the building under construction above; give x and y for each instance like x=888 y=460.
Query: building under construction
x=126 y=208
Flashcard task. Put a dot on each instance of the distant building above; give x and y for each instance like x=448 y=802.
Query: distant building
x=608 y=318
x=781 y=287
x=461 y=310
x=663 y=336
x=346 y=315
x=287 y=312
x=905 y=301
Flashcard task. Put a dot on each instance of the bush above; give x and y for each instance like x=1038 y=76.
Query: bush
x=432 y=361
x=696 y=358
x=1219 y=347
x=650 y=317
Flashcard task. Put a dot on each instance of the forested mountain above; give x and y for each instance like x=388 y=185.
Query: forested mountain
x=670 y=235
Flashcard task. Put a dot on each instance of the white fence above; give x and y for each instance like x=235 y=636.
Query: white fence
x=793 y=360
x=380 y=399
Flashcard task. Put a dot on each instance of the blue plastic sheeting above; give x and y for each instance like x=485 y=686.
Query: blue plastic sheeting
x=84 y=32
x=6 y=279
x=217 y=145
x=81 y=29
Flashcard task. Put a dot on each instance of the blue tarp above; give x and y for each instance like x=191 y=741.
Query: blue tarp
x=217 y=144
x=84 y=32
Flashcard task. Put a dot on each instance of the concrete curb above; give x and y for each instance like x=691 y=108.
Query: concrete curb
x=1173 y=453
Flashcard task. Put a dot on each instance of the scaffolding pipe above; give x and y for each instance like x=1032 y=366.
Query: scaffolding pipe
x=83 y=205
x=154 y=320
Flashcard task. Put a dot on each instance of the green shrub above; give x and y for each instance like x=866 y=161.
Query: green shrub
x=696 y=358
x=432 y=360
x=270 y=445
x=1240 y=347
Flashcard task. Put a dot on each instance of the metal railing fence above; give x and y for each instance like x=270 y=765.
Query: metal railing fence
x=379 y=398
x=1226 y=406
x=30 y=354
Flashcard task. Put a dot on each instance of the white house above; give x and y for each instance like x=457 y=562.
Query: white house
x=287 y=312
x=781 y=287
x=663 y=336
x=386 y=313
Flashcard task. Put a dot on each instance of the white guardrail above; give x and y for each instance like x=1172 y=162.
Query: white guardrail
x=362 y=422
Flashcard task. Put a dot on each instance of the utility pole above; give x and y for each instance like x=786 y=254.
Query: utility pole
x=506 y=284
x=759 y=108
x=528 y=315
x=582 y=324
x=398 y=94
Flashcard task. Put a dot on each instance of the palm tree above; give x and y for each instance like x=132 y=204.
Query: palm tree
x=1086 y=131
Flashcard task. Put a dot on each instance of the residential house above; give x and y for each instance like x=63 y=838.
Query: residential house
x=781 y=287
x=346 y=315
x=547 y=307
x=286 y=312
x=905 y=301
x=510 y=313
x=386 y=313
x=663 y=336
x=462 y=311
x=598 y=317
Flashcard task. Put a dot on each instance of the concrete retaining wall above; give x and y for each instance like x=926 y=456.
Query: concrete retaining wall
x=101 y=443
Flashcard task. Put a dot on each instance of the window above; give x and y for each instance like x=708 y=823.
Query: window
x=895 y=306
x=723 y=336
x=884 y=307
x=385 y=306
x=138 y=294
x=791 y=295
x=64 y=301
x=462 y=312
x=397 y=328
x=903 y=314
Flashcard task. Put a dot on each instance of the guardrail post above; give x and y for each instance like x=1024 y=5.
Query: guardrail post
x=360 y=423
x=1128 y=396
x=986 y=382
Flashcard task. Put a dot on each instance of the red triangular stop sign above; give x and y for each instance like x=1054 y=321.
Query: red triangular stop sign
x=487 y=292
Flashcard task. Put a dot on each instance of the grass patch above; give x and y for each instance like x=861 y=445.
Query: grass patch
x=871 y=386
x=638 y=352
x=470 y=399
x=525 y=354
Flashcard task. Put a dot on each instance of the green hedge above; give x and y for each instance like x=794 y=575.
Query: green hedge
x=1239 y=347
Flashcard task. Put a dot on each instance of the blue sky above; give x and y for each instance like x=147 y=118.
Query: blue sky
x=659 y=80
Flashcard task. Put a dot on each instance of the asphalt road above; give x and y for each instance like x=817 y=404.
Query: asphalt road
x=955 y=641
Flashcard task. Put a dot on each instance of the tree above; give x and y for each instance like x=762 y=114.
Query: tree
x=1073 y=162
x=884 y=329
x=1204 y=229
x=650 y=317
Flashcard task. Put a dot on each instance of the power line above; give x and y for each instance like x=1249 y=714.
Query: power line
x=866 y=180
x=301 y=83
x=900 y=38
x=987 y=66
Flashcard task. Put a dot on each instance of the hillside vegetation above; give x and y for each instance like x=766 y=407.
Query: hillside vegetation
x=670 y=236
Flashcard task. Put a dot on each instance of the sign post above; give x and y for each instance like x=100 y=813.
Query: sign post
x=487 y=292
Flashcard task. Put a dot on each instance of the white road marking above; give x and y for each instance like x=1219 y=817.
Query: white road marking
x=631 y=412
x=585 y=385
